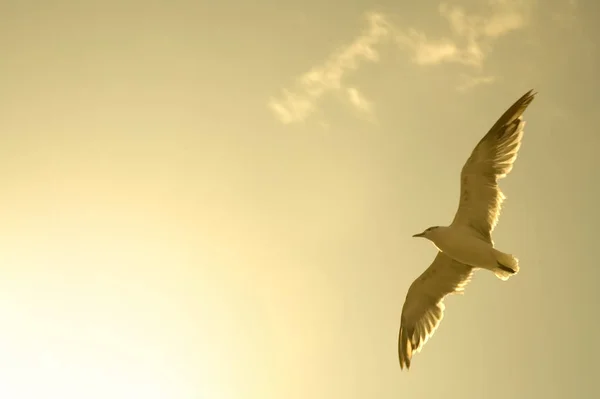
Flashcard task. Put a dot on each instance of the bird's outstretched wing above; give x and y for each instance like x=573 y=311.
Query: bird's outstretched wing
x=423 y=308
x=492 y=159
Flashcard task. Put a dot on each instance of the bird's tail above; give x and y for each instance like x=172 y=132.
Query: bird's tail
x=507 y=265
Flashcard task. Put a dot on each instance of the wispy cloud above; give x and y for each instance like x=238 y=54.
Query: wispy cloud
x=469 y=41
x=469 y=81
x=296 y=105
x=357 y=99
x=472 y=35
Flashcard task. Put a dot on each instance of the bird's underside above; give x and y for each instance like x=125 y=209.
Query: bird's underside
x=479 y=208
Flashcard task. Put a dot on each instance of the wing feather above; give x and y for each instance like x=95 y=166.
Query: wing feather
x=423 y=308
x=492 y=159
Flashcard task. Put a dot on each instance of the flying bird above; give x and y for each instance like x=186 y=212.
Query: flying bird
x=466 y=245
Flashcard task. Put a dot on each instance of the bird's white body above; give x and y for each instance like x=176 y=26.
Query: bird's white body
x=464 y=245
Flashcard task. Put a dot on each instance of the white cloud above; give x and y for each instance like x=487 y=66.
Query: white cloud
x=471 y=37
x=357 y=99
x=468 y=43
x=293 y=107
x=425 y=51
x=311 y=86
x=471 y=81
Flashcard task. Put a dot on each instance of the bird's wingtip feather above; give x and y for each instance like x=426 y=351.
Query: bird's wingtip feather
x=404 y=350
x=531 y=93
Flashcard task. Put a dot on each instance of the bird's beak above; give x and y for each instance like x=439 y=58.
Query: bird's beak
x=419 y=235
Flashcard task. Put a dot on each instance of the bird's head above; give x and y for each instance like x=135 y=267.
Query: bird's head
x=427 y=232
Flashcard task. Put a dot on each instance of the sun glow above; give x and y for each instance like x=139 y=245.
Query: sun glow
x=93 y=311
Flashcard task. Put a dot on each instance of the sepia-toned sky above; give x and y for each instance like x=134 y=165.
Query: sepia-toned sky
x=215 y=200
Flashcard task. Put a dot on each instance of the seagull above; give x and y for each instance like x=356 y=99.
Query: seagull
x=466 y=245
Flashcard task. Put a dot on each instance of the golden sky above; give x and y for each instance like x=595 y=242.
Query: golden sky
x=215 y=200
